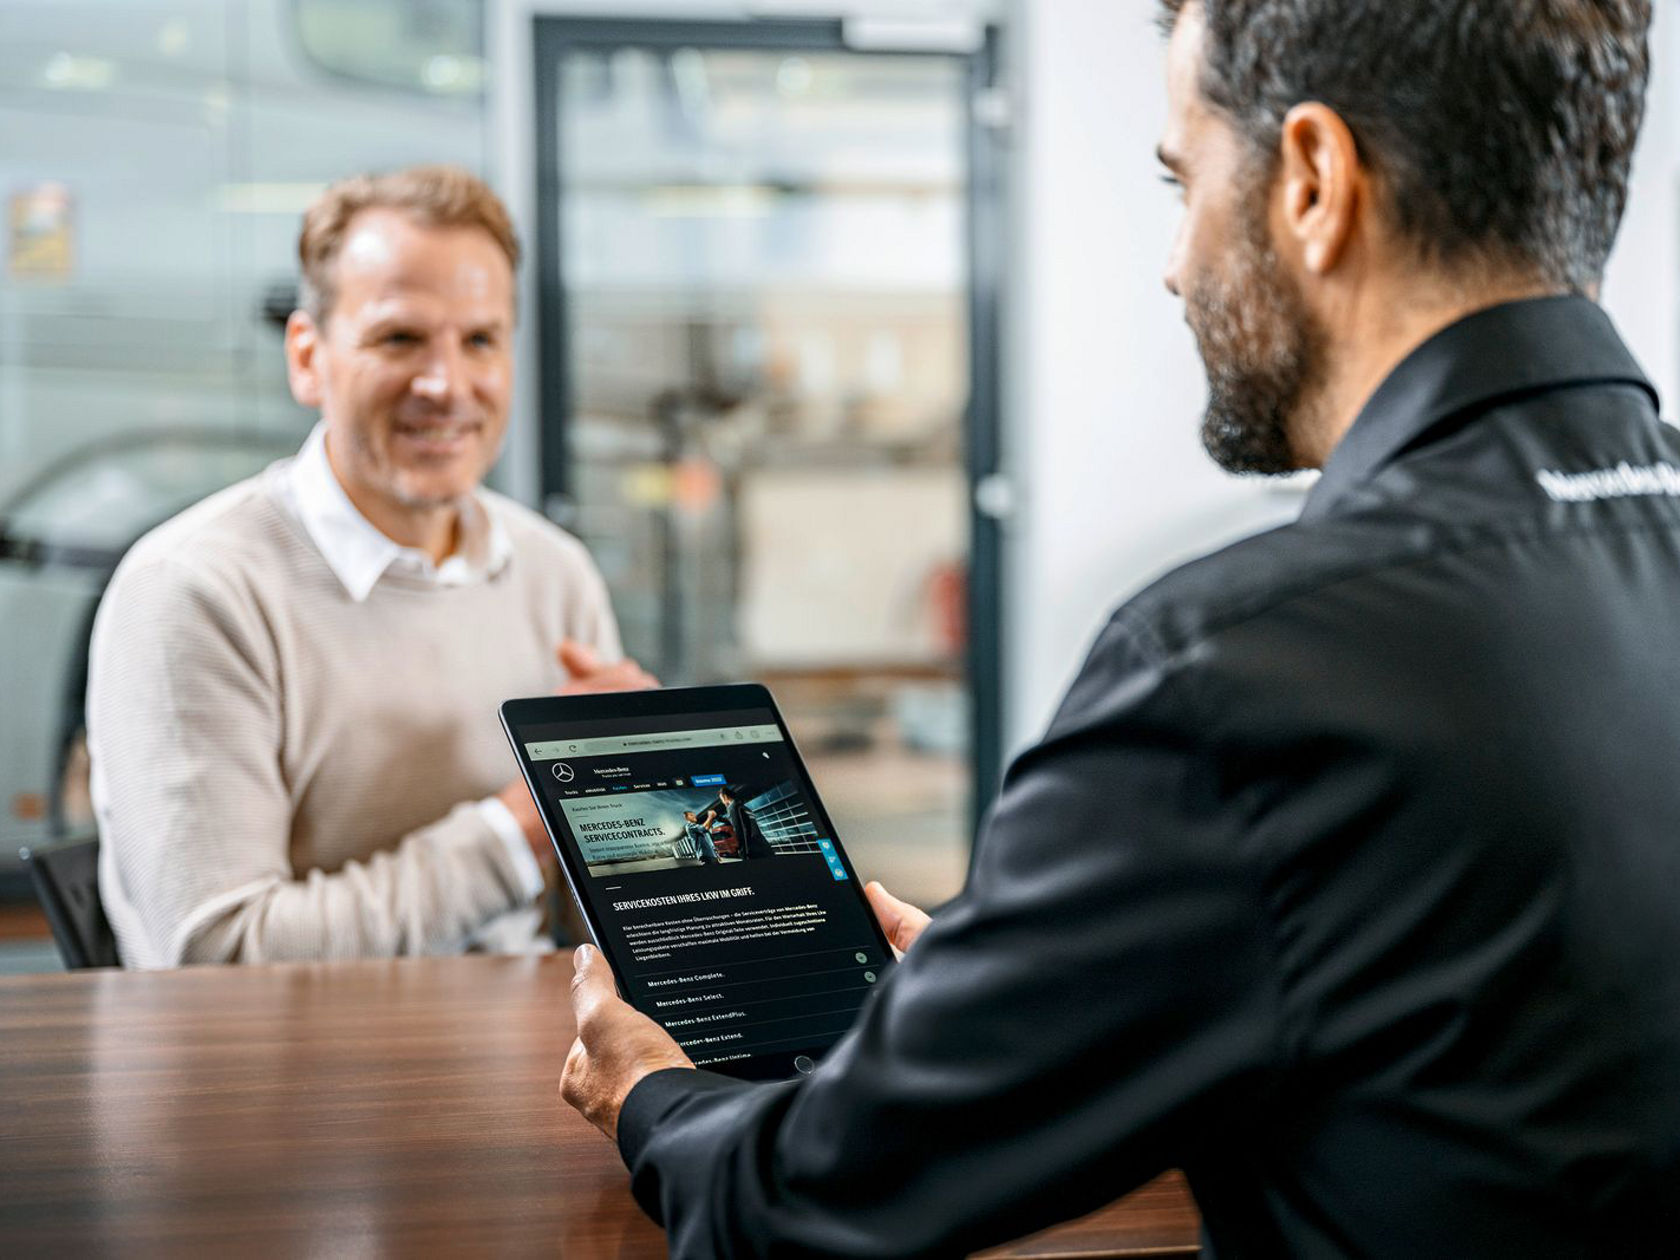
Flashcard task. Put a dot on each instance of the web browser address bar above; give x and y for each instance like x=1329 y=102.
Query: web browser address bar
x=660 y=741
x=607 y=746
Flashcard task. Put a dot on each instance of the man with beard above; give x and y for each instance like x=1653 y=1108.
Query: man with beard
x=1347 y=877
x=294 y=684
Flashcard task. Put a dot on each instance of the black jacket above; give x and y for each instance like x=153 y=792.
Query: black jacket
x=1347 y=878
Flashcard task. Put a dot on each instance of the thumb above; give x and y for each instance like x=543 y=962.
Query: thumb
x=577 y=659
x=900 y=921
x=592 y=982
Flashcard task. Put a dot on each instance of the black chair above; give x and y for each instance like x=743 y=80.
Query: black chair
x=66 y=879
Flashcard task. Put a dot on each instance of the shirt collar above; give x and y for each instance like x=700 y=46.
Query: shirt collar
x=1492 y=355
x=359 y=554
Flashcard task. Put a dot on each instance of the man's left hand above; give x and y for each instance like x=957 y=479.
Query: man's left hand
x=616 y=1045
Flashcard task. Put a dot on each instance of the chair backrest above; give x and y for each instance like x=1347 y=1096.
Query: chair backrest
x=66 y=879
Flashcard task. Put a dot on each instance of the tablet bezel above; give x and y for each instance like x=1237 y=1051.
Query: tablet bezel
x=676 y=702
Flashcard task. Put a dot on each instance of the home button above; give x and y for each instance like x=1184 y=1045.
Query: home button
x=803 y=1065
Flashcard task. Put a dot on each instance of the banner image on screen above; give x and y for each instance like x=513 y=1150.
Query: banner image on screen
x=710 y=876
x=664 y=828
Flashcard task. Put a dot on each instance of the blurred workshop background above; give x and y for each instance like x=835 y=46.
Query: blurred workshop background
x=843 y=344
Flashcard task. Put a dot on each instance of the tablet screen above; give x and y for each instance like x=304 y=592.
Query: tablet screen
x=708 y=870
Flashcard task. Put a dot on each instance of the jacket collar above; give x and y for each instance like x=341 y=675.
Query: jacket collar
x=1515 y=348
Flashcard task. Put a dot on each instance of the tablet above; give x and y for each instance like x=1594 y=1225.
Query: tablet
x=706 y=868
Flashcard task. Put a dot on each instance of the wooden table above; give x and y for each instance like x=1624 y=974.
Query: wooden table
x=370 y=1108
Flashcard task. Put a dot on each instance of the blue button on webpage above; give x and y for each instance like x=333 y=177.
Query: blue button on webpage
x=706 y=780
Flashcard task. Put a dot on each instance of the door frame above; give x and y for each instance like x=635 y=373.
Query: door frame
x=554 y=36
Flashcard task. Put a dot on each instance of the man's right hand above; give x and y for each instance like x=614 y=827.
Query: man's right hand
x=585 y=672
x=901 y=921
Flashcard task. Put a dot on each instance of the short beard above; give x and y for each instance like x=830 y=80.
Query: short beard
x=1264 y=352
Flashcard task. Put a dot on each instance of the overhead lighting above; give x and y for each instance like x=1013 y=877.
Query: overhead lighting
x=66 y=72
x=218 y=100
x=793 y=76
x=266 y=198
x=173 y=38
x=445 y=73
x=701 y=201
x=933 y=35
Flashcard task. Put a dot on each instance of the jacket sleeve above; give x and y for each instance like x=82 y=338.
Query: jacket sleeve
x=1097 y=1000
x=184 y=717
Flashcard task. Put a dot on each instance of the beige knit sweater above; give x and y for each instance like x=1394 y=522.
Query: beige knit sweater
x=281 y=772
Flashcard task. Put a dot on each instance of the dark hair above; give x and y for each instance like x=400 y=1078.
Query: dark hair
x=1501 y=131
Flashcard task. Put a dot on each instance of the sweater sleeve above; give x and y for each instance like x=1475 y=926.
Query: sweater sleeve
x=185 y=719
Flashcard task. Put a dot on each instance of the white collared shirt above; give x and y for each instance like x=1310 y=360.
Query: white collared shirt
x=359 y=555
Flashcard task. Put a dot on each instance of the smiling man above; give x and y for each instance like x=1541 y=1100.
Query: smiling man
x=293 y=690
x=1347 y=876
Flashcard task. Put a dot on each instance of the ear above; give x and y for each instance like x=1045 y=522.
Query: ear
x=1324 y=186
x=303 y=369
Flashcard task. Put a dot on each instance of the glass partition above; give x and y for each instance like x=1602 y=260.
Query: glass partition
x=762 y=341
x=157 y=156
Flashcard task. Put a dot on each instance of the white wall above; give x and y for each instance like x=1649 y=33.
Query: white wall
x=1106 y=390
x=1642 y=287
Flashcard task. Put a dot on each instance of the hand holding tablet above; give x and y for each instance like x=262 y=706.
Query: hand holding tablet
x=706 y=868
x=616 y=1045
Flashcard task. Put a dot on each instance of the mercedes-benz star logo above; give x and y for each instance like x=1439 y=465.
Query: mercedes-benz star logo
x=563 y=772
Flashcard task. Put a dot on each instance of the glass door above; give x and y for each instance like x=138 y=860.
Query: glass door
x=758 y=327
